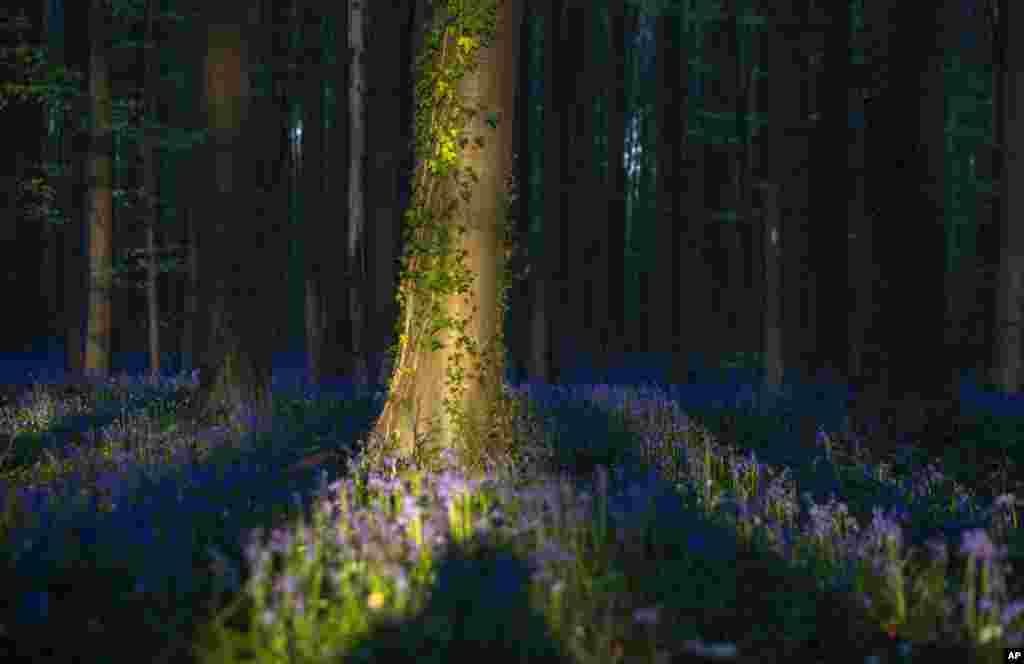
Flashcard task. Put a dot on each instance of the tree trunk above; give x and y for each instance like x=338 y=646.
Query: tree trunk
x=828 y=237
x=314 y=220
x=592 y=219
x=415 y=404
x=100 y=222
x=149 y=195
x=772 y=327
x=576 y=79
x=355 y=248
x=548 y=337
x=235 y=372
x=72 y=199
x=384 y=209
x=920 y=381
x=1010 y=302
x=664 y=297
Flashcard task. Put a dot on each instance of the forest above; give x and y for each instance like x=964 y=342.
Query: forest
x=834 y=296
x=733 y=201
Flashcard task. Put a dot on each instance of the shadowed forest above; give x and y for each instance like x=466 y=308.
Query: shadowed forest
x=766 y=283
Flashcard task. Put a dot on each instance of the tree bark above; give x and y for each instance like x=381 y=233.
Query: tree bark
x=552 y=295
x=100 y=221
x=419 y=408
x=355 y=247
x=1009 y=373
x=314 y=219
x=235 y=372
x=389 y=23
x=920 y=379
x=831 y=187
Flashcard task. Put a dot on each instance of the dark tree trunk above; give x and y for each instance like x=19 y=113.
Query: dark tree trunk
x=831 y=187
x=919 y=378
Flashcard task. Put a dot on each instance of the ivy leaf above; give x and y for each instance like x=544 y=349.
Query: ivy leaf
x=492 y=119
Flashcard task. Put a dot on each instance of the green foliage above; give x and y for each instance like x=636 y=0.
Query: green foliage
x=432 y=271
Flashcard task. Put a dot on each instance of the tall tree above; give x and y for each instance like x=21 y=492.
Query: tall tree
x=614 y=333
x=417 y=403
x=21 y=25
x=744 y=158
x=72 y=196
x=389 y=25
x=1009 y=362
x=520 y=321
x=355 y=244
x=723 y=164
x=590 y=216
x=315 y=218
x=192 y=175
x=670 y=185
x=100 y=220
x=149 y=174
x=49 y=264
x=920 y=383
x=549 y=302
x=235 y=371
x=579 y=181
x=831 y=186
x=860 y=266
x=785 y=147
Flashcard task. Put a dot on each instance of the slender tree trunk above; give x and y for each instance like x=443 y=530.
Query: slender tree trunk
x=1009 y=372
x=314 y=212
x=772 y=290
x=50 y=268
x=355 y=242
x=149 y=194
x=577 y=186
x=521 y=308
x=664 y=297
x=592 y=219
x=829 y=242
x=100 y=223
x=548 y=295
x=72 y=198
x=384 y=210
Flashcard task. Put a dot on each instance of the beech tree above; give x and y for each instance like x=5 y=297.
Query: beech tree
x=1009 y=363
x=446 y=312
x=100 y=207
x=235 y=371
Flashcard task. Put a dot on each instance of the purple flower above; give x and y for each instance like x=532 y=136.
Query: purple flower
x=1012 y=611
x=647 y=616
x=977 y=544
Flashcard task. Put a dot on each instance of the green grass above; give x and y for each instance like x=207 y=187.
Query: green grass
x=194 y=536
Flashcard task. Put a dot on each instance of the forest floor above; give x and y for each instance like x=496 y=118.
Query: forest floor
x=627 y=528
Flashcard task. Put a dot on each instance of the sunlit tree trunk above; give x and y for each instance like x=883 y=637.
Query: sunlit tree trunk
x=100 y=215
x=419 y=409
